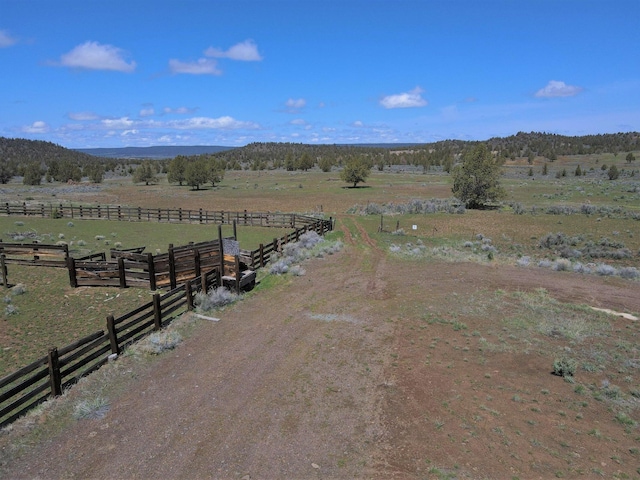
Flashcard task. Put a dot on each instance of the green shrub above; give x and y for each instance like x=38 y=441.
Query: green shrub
x=564 y=367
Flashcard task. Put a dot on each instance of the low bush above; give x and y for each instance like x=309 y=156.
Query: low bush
x=214 y=298
x=279 y=268
x=93 y=408
x=564 y=367
x=605 y=270
x=159 y=342
x=562 y=265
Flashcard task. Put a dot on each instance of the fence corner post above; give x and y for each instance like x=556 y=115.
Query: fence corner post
x=152 y=271
x=3 y=271
x=113 y=336
x=189 y=295
x=122 y=273
x=157 y=312
x=71 y=266
x=55 y=379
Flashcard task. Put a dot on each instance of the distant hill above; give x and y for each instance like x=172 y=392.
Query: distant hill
x=156 y=153
x=20 y=150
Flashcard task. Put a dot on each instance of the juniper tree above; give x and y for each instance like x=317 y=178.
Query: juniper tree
x=477 y=180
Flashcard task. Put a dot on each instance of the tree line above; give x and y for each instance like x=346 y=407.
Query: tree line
x=38 y=161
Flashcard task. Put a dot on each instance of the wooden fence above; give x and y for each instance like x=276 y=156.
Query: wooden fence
x=61 y=367
x=260 y=257
x=35 y=254
x=50 y=375
x=138 y=214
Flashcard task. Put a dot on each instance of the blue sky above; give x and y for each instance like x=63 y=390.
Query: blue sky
x=112 y=73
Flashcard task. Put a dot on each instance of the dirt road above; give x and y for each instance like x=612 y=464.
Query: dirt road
x=312 y=380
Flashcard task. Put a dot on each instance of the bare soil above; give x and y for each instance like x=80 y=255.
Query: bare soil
x=336 y=375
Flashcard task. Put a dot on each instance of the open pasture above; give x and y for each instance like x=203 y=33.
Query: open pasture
x=438 y=336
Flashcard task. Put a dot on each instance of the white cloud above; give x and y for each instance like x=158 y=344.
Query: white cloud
x=294 y=105
x=358 y=124
x=202 y=66
x=117 y=123
x=410 y=99
x=82 y=116
x=36 y=127
x=298 y=121
x=558 y=89
x=94 y=56
x=6 y=40
x=222 y=123
x=147 y=112
x=299 y=103
x=179 y=110
x=246 y=51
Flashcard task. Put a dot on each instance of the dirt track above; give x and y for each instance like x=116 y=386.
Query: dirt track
x=321 y=379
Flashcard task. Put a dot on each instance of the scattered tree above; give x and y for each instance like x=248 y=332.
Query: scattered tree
x=32 y=174
x=305 y=162
x=7 y=171
x=95 y=172
x=176 y=170
x=196 y=173
x=613 y=173
x=325 y=164
x=578 y=171
x=215 y=171
x=630 y=157
x=477 y=180
x=145 y=172
x=355 y=171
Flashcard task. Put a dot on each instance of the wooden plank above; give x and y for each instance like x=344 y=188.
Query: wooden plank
x=100 y=352
x=132 y=323
x=97 y=342
x=36 y=377
x=22 y=400
x=12 y=377
x=79 y=343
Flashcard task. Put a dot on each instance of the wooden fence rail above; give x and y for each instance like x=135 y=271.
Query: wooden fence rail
x=61 y=367
x=138 y=214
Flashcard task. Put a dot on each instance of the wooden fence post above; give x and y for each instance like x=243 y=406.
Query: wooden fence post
x=189 y=294
x=151 y=267
x=172 y=267
x=238 y=273
x=122 y=273
x=261 y=256
x=235 y=231
x=203 y=283
x=221 y=250
x=71 y=266
x=3 y=271
x=113 y=336
x=197 y=268
x=157 y=312
x=55 y=379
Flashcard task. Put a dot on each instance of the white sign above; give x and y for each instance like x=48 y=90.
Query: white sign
x=414 y=227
